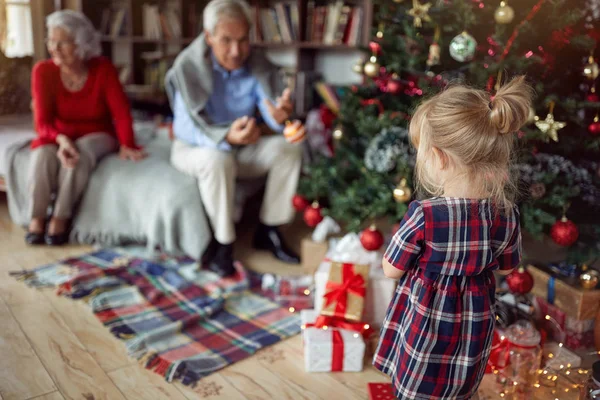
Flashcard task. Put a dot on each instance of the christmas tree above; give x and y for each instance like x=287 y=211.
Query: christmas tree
x=417 y=49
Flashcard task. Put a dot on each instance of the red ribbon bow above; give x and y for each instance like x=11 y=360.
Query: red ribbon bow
x=338 y=292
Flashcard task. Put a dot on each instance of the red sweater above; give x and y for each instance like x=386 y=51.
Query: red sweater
x=100 y=106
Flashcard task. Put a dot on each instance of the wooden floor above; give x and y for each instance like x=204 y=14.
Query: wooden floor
x=53 y=348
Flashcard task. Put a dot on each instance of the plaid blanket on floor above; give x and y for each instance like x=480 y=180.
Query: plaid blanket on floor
x=178 y=321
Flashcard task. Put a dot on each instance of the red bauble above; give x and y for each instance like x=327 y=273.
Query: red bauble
x=564 y=232
x=394 y=86
x=312 y=215
x=375 y=48
x=594 y=128
x=592 y=98
x=520 y=281
x=371 y=238
x=299 y=202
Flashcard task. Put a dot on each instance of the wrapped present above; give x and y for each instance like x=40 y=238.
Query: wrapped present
x=345 y=291
x=380 y=391
x=380 y=291
x=288 y=291
x=565 y=293
x=562 y=327
x=328 y=348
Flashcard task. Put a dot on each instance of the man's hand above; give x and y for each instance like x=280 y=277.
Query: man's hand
x=67 y=152
x=243 y=131
x=283 y=109
x=127 y=153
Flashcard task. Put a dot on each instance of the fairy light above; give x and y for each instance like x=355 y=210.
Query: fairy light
x=548 y=317
x=356 y=335
x=307 y=292
x=325 y=327
x=529 y=54
x=303 y=326
x=292 y=309
x=373 y=59
x=367 y=326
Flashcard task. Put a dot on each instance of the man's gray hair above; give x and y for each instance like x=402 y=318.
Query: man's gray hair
x=217 y=9
x=85 y=36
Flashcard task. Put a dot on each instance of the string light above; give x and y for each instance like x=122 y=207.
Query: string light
x=303 y=326
x=356 y=335
x=307 y=292
x=325 y=327
x=292 y=309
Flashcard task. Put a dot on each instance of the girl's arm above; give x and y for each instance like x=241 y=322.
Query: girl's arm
x=390 y=271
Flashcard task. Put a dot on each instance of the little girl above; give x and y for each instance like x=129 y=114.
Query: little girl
x=436 y=337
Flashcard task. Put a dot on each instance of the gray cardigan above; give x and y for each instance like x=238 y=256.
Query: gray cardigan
x=191 y=75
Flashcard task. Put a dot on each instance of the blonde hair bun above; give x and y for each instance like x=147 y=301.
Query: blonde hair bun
x=510 y=106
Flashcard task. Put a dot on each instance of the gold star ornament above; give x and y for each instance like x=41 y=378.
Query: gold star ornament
x=420 y=13
x=549 y=126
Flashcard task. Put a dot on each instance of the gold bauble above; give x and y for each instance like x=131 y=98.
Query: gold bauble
x=589 y=278
x=371 y=68
x=591 y=70
x=402 y=193
x=338 y=133
x=504 y=14
x=358 y=67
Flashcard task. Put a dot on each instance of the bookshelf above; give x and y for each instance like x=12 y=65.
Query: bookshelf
x=142 y=37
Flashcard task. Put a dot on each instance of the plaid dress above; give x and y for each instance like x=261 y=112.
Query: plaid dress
x=436 y=337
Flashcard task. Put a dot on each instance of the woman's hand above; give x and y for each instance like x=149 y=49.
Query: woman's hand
x=127 y=153
x=67 y=152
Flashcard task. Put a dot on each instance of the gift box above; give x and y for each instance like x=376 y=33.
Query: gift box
x=573 y=333
x=330 y=349
x=565 y=293
x=345 y=291
x=288 y=291
x=380 y=391
x=380 y=291
x=312 y=254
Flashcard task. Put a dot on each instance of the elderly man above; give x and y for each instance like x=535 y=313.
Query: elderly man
x=221 y=97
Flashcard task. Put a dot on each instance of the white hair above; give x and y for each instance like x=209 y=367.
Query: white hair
x=217 y=9
x=85 y=36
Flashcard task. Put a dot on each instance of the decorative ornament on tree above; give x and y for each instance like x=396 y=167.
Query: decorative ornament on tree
x=300 y=202
x=420 y=13
x=504 y=14
x=294 y=132
x=537 y=190
x=462 y=47
x=379 y=34
x=402 y=193
x=593 y=96
x=312 y=215
x=591 y=70
x=549 y=126
x=434 y=55
x=520 y=281
x=372 y=67
x=594 y=127
x=358 y=67
x=371 y=238
x=387 y=149
x=564 y=232
x=338 y=133
x=375 y=48
x=394 y=86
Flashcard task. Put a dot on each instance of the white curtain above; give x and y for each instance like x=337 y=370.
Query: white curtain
x=19 y=33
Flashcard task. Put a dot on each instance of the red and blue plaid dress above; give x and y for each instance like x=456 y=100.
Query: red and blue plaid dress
x=436 y=337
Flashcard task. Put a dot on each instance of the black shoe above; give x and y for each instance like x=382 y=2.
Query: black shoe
x=269 y=238
x=222 y=261
x=57 y=240
x=34 y=238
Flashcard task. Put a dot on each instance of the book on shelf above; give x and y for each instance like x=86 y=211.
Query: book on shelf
x=161 y=22
x=334 y=23
x=113 y=21
x=156 y=65
x=278 y=23
x=304 y=92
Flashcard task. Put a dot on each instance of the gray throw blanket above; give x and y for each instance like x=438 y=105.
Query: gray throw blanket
x=192 y=76
x=146 y=202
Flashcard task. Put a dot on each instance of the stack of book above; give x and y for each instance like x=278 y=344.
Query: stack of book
x=161 y=22
x=334 y=23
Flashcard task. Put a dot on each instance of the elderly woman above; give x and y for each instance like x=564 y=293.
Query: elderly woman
x=81 y=114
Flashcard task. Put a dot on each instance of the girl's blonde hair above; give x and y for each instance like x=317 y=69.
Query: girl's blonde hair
x=476 y=131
